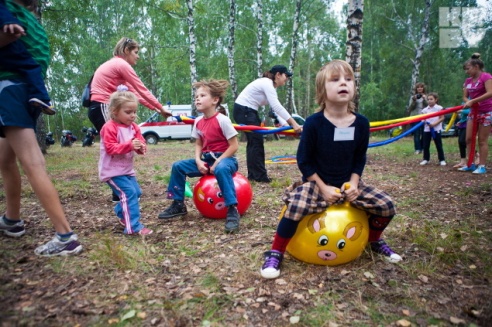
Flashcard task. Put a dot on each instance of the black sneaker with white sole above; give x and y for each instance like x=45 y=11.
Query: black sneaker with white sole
x=176 y=209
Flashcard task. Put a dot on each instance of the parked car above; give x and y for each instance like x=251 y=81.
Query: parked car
x=279 y=122
x=157 y=128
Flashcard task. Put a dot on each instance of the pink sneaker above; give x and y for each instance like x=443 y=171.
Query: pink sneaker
x=145 y=231
x=122 y=222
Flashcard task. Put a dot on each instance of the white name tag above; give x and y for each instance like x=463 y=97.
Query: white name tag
x=344 y=134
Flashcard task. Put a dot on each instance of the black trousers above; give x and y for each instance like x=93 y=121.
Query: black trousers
x=95 y=115
x=462 y=142
x=437 y=141
x=255 y=150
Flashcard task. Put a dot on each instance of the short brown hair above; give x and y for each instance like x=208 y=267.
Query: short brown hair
x=216 y=87
x=434 y=95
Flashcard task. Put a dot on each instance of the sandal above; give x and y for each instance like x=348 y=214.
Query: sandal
x=459 y=165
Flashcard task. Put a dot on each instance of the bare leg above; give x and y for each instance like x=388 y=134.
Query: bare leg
x=11 y=180
x=22 y=142
x=483 y=148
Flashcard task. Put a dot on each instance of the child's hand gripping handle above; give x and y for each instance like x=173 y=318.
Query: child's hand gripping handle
x=345 y=186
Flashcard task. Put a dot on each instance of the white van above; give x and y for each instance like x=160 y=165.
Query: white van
x=157 y=128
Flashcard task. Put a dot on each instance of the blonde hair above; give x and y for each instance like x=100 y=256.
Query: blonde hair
x=216 y=87
x=124 y=43
x=334 y=67
x=118 y=99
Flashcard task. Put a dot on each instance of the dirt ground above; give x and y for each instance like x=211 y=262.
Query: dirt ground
x=195 y=275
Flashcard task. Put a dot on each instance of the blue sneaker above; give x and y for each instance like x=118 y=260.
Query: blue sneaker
x=468 y=168
x=480 y=170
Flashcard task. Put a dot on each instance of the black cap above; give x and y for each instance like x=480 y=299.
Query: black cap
x=280 y=69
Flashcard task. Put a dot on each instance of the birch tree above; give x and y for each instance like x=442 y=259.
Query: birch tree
x=293 y=52
x=231 y=48
x=354 y=41
x=191 y=30
x=419 y=49
x=259 y=36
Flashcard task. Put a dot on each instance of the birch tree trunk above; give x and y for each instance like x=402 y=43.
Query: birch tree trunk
x=231 y=48
x=419 y=50
x=193 y=73
x=354 y=42
x=293 y=53
x=259 y=36
x=307 y=103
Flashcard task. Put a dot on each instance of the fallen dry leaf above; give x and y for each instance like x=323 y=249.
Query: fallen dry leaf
x=403 y=323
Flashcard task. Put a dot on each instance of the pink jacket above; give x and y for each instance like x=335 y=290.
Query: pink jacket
x=117 y=71
x=116 y=150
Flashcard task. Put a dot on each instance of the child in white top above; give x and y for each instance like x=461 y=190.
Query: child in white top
x=120 y=138
x=432 y=130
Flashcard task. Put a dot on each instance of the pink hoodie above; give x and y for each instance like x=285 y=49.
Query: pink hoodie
x=117 y=71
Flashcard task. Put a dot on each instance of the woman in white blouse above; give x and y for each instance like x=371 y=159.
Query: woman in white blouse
x=260 y=92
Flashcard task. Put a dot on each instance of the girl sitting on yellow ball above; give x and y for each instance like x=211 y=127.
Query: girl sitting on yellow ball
x=331 y=156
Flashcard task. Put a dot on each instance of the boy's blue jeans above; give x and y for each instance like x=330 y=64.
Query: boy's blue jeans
x=128 y=209
x=223 y=173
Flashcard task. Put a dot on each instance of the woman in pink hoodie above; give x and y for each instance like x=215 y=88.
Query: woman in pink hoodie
x=119 y=71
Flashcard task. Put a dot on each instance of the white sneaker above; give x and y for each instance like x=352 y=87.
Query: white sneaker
x=442 y=163
x=56 y=247
x=424 y=162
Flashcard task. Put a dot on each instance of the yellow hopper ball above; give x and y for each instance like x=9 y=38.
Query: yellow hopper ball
x=335 y=236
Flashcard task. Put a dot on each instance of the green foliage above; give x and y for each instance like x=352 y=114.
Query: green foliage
x=83 y=33
x=391 y=34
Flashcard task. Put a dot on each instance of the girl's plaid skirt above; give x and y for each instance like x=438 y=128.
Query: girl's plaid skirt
x=304 y=198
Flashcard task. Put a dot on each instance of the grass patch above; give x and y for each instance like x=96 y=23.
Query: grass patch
x=189 y=273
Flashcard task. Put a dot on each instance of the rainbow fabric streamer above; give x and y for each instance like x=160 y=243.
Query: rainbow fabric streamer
x=374 y=127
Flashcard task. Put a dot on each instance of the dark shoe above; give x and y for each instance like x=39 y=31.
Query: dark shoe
x=14 y=230
x=271 y=267
x=382 y=248
x=232 y=220
x=261 y=180
x=177 y=208
x=45 y=107
x=115 y=198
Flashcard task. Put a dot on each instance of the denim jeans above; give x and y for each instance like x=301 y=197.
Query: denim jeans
x=128 y=209
x=223 y=173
